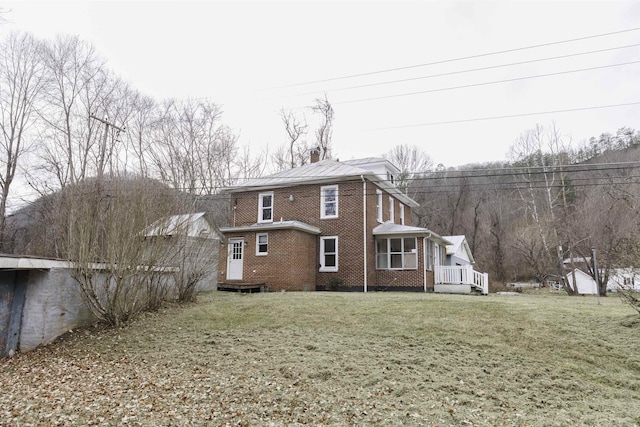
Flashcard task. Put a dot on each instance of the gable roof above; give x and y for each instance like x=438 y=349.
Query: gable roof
x=325 y=171
x=459 y=242
x=192 y=225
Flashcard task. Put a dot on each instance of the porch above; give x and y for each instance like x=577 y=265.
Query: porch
x=460 y=279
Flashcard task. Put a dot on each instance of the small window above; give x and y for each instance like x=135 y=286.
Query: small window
x=379 y=205
x=428 y=255
x=401 y=214
x=392 y=210
x=329 y=201
x=262 y=244
x=265 y=207
x=382 y=254
x=329 y=253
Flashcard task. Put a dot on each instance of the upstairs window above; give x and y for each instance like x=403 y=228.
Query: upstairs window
x=401 y=214
x=265 y=207
x=392 y=210
x=379 y=205
x=329 y=201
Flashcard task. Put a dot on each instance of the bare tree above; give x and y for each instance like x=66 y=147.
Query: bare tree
x=21 y=82
x=412 y=161
x=3 y=13
x=192 y=150
x=139 y=136
x=296 y=128
x=189 y=249
x=541 y=153
x=70 y=135
x=323 y=108
x=119 y=273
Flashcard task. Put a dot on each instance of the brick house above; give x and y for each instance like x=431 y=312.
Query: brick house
x=325 y=225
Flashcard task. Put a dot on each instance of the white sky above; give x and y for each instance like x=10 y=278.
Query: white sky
x=240 y=54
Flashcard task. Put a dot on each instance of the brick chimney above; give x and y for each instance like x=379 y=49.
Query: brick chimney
x=315 y=155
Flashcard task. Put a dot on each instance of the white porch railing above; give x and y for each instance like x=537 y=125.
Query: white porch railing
x=462 y=275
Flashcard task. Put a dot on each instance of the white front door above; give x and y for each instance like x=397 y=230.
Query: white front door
x=234 y=259
x=436 y=255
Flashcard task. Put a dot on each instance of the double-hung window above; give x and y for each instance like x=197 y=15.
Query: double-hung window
x=397 y=253
x=262 y=244
x=392 y=210
x=401 y=214
x=428 y=258
x=329 y=201
x=379 y=205
x=265 y=207
x=329 y=253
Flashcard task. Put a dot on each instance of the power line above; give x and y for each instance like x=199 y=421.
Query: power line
x=388 y=70
x=448 y=175
x=508 y=116
x=376 y=98
x=471 y=70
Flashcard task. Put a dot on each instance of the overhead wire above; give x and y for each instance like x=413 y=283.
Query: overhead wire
x=470 y=70
x=462 y=58
x=515 y=79
x=506 y=116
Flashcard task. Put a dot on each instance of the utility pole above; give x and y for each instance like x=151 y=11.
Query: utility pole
x=103 y=147
x=595 y=271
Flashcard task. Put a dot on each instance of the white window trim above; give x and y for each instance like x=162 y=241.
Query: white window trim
x=392 y=210
x=389 y=253
x=260 y=207
x=401 y=214
x=322 y=266
x=323 y=201
x=429 y=259
x=379 y=206
x=258 y=253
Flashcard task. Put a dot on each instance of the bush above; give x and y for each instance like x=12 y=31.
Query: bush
x=335 y=283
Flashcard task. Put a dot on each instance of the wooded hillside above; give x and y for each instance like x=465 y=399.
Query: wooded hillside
x=548 y=203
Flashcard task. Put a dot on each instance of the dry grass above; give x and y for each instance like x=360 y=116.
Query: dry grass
x=341 y=359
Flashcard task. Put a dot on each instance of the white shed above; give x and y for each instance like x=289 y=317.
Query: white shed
x=582 y=282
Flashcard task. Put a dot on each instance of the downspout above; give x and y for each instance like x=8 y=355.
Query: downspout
x=364 y=229
x=424 y=261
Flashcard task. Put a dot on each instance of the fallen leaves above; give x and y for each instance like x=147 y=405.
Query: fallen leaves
x=196 y=367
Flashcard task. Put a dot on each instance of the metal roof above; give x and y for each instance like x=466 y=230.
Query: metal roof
x=29 y=263
x=324 y=171
x=370 y=161
x=279 y=225
x=391 y=229
x=458 y=241
x=186 y=224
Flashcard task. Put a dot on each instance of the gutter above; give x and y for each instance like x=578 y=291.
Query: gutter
x=424 y=260
x=364 y=229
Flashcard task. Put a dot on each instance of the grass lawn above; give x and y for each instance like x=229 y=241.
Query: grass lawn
x=341 y=359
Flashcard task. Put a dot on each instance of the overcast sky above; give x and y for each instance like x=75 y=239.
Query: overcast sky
x=254 y=58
